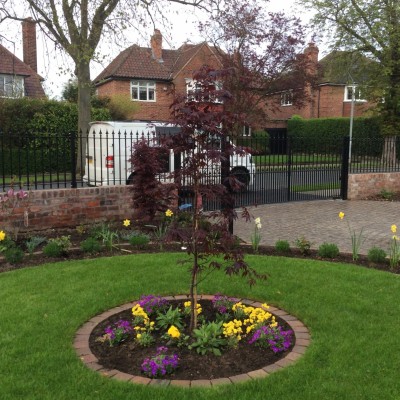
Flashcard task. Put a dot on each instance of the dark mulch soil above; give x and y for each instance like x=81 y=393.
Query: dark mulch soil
x=128 y=356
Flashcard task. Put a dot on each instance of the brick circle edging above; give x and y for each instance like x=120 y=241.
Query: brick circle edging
x=81 y=345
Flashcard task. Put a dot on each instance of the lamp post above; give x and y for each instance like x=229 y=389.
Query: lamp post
x=353 y=98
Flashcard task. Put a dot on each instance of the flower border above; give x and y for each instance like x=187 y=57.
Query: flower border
x=81 y=345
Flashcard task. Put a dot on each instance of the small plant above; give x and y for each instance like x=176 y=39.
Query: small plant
x=256 y=236
x=172 y=316
x=161 y=364
x=394 y=251
x=272 y=337
x=107 y=236
x=282 y=246
x=223 y=305
x=57 y=247
x=208 y=338
x=14 y=255
x=376 y=255
x=33 y=242
x=386 y=194
x=328 y=250
x=356 y=239
x=140 y=241
x=160 y=231
x=90 y=245
x=144 y=339
x=117 y=333
x=153 y=304
x=304 y=245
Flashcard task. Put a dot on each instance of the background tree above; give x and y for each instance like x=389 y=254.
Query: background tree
x=372 y=28
x=77 y=28
x=263 y=50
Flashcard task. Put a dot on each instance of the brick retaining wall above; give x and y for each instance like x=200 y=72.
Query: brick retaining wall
x=68 y=208
x=364 y=185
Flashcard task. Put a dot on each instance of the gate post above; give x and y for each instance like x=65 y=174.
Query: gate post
x=289 y=167
x=344 y=174
x=73 y=161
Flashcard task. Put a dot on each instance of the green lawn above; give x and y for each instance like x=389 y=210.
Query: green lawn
x=353 y=315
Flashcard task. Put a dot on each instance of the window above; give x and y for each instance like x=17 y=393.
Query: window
x=246 y=130
x=11 y=86
x=348 y=93
x=143 y=90
x=287 y=98
x=193 y=87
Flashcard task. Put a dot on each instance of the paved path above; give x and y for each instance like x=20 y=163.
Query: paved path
x=318 y=221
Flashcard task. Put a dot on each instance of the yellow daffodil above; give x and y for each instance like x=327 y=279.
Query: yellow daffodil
x=2 y=235
x=169 y=213
x=341 y=215
x=393 y=228
x=126 y=222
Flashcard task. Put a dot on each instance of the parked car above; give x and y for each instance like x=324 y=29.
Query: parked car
x=110 y=145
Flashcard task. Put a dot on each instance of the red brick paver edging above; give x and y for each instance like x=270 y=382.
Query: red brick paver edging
x=81 y=344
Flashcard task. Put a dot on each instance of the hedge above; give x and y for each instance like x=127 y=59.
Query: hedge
x=314 y=134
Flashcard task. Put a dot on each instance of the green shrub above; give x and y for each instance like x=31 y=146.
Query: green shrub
x=282 y=246
x=140 y=240
x=90 y=245
x=376 y=255
x=304 y=245
x=328 y=250
x=57 y=247
x=33 y=242
x=14 y=255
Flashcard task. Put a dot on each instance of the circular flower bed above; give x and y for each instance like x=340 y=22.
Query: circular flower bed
x=152 y=340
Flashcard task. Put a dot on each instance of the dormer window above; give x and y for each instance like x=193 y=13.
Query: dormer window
x=351 y=90
x=287 y=98
x=143 y=90
x=11 y=86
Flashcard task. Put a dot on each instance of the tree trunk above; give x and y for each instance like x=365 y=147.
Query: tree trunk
x=84 y=113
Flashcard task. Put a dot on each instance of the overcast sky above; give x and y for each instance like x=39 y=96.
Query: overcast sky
x=54 y=67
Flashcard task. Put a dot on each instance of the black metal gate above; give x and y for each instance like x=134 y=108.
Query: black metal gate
x=296 y=172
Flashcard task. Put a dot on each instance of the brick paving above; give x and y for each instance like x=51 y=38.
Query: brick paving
x=318 y=222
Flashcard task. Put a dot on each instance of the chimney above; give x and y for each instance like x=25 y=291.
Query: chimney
x=311 y=53
x=29 y=43
x=156 y=45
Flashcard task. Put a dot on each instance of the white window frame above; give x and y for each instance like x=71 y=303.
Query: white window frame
x=348 y=94
x=12 y=86
x=139 y=87
x=192 y=87
x=287 y=98
x=246 y=131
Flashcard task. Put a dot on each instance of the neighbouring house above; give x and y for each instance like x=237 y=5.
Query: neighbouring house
x=150 y=76
x=332 y=96
x=20 y=78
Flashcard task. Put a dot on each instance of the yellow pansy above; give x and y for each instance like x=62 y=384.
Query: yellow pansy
x=2 y=235
x=173 y=331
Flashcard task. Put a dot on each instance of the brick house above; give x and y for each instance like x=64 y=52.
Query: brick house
x=331 y=97
x=20 y=78
x=150 y=76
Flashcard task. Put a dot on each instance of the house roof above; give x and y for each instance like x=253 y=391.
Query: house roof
x=138 y=62
x=344 y=67
x=12 y=65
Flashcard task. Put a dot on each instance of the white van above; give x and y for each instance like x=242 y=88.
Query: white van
x=109 y=149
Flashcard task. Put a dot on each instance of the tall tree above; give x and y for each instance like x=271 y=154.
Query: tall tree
x=372 y=28
x=263 y=50
x=77 y=27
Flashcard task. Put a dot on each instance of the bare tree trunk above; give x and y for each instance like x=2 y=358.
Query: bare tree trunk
x=84 y=112
x=389 y=151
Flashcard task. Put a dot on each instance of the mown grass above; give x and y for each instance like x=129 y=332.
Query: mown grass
x=353 y=315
